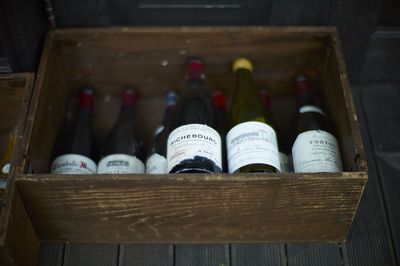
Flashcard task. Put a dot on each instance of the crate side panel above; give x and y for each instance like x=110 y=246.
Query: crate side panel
x=192 y=209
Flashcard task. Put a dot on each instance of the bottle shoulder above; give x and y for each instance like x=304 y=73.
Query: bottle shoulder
x=312 y=121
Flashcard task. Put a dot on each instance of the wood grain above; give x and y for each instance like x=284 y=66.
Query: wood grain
x=84 y=254
x=257 y=254
x=15 y=93
x=386 y=149
x=184 y=208
x=369 y=240
x=355 y=20
x=383 y=58
x=19 y=245
x=146 y=255
x=202 y=255
x=17 y=236
x=51 y=254
x=315 y=254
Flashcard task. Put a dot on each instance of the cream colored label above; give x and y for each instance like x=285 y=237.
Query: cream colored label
x=73 y=164
x=120 y=164
x=156 y=164
x=251 y=143
x=188 y=141
x=316 y=151
x=6 y=169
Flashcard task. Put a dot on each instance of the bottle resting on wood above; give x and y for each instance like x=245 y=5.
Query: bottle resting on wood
x=315 y=148
x=194 y=144
x=74 y=152
x=121 y=151
x=251 y=141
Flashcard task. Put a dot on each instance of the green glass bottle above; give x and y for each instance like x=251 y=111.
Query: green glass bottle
x=251 y=141
x=315 y=148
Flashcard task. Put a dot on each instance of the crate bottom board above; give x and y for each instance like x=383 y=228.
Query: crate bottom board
x=192 y=209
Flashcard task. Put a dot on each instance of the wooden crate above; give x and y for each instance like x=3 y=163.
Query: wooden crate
x=15 y=93
x=188 y=207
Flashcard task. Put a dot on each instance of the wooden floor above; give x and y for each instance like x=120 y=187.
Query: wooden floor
x=374 y=238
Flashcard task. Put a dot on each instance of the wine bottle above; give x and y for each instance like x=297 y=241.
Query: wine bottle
x=219 y=103
x=6 y=159
x=194 y=146
x=284 y=160
x=315 y=148
x=75 y=150
x=251 y=141
x=156 y=162
x=121 y=151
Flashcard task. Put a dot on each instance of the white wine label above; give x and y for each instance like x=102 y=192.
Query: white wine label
x=188 y=141
x=316 y=151
x=73 y=164
x=311 y=108
x=251 y=143
x=156 y=164
x=120 y=164
x=6 y=169
x=284 y=163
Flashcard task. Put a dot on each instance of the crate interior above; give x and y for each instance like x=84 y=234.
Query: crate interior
x=152 y=61
x=12 y=94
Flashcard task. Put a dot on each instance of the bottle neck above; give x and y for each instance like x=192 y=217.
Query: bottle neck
x=167 y=115
x=195 y=83
x=85 y=108
x=219 y=101
x=305 y=98
x=244 y=85
x=127 y=114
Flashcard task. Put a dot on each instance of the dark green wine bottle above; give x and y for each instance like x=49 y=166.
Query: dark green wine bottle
x=156 y=162
x=251 y=141
x=315 y=148
x=194 y=144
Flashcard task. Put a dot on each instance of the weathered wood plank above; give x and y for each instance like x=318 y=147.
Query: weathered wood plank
x=369 y=242
x=51 y=254
x=196 y=209
x=146 y=12
x=389 y=171
x=382 y=115
x=314 y=254
x=257 y=254
x=383 y=58
x=381 y=107
x=22 y=27
x=146 y=255
x=18 y=240
x=355 y=21
x=304 y=12
x=91 y=254
x=19 y=245
x=202 y=255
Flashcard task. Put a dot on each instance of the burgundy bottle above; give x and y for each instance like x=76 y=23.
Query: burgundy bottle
x=194 y=144
x=74 y=151
x=315 y=148
x=219 y=103
x=121 y=152
x=156 y=162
